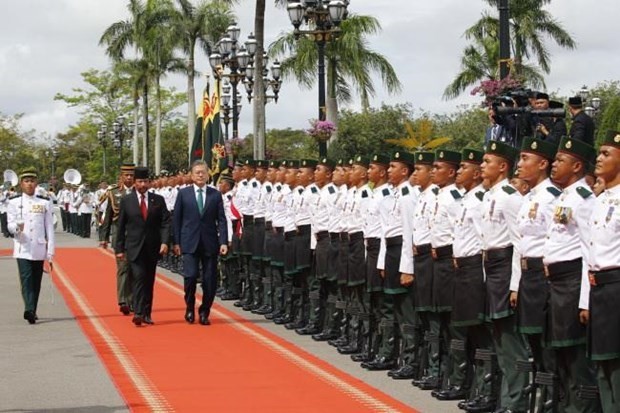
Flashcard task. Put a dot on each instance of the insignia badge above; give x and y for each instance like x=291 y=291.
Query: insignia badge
x=610 y=213
x=493 y=146
x=617 y=138
x=568 y=145
x=374 y=158
x=420 y=157
x=359 y=158
x=441 y=154
x=471 y=155
x=534 y=145
x=492 y=209
x=324 y=160
x=397 y=155
x=303 y=163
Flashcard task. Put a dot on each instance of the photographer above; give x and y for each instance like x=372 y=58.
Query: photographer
x=582 y=127
x=550 y=129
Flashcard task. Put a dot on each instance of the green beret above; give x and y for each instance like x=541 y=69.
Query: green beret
x=274 y=164
x=327 y=162
x=472 y=156
x=29 y=172
x=448 y=156
x=380 y=159
x=424 y=158
x=308 y=163
x=539 y=147
x=612 y=139
x=350 y=162
x=341 y=162
x=403 y=157
x=361 y=160
x=262 y=163
x=249 y=162
x=284 y=163
x=293 y=164
x=502 y=150
x=578 y=149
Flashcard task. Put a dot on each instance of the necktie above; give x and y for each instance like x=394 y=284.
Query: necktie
x=143 y=207
x=200 y=201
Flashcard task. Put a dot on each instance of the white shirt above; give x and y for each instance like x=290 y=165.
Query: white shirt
x=36 y=241
x=324 y=205
x=260 y=206
x=605 y=231
x=336 y=216
x=569 y=232
x=359 y=209
x=500 y=207
x=422 y=216
x=468 y=224
x=372 y=224
x=442 y=225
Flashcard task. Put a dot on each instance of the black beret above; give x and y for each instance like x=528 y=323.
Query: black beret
x=327 y=162
x=261 y=163
x=424 y=158
x=539 y=147
x=380 y=159
x=361 y=160
x=308 y=163
x=472 y=156
x=502 y=150
x=578 y=149
x=403 y=157
x=612 y=139
x=448 y=156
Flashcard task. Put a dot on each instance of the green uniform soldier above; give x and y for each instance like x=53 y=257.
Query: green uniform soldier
x=604 y=265
x=124 y=279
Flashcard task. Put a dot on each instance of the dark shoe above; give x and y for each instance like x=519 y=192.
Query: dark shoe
x=265 y=309
x=348 y=349
x=341 y=341
x=124 y=308
x=379 y=363
x=481 y=405
x=137 y=320
x=239 y=303
x=428 y=383
x=30 y=317
x=308 y=330
x=229 y=296
x=453 y=393
x=325 y=336
x=148 y=320
x=285 y=319
x=406 y=372
x=189 y=316
x=361 y=357
x=294 y=325
x=204 y=320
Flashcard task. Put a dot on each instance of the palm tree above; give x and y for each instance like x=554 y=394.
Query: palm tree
x=350 y=63
x=201 y=26
x=420 y=138
x=529 y=24
x=480 y=62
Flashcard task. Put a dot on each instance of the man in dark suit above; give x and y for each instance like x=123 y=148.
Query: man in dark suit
x=582 y=127
x=200 y=234
x=143 y=230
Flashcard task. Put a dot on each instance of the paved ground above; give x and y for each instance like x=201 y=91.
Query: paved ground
x=51 y=366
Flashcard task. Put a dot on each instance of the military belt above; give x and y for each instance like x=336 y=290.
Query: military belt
x=356 y=236
x=563 y=266
x=441 y=252
x=532 y=263
x=321 y=234
x=393 y=241
x=604 y=276
x=497 y=253
x=462 y=262
x=422 y=249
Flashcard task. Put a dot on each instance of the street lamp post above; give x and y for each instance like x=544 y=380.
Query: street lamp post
x=119 y=136
x=592 y=104
x=323 y=19
x=236 y=58
x=103 y=141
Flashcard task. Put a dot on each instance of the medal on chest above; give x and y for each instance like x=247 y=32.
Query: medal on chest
x=533 y=210
x=610 y=213
x=562 y=215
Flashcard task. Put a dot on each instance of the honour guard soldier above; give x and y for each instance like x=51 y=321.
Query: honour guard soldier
x=305 y=194
x=529 y=292
x=355 y=213
x=565 y=258
x=604 y=264
x=500 y=237
x=258 y=240
x=30 y=220
x=372 y=329
x=124 y=279
x=443 y=176
x=234 y=281
x=225 y=185
x=424 y=266
x=320 y=210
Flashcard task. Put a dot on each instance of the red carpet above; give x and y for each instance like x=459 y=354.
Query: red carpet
x=231 y=366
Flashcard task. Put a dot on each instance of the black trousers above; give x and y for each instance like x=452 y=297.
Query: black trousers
x=204 y=266
x=143 y=269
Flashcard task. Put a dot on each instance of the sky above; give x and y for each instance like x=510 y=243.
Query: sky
x=45 y=45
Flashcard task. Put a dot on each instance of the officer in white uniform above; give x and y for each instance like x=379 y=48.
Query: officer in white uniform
x=30 y=220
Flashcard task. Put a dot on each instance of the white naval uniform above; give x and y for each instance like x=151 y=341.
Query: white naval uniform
x=36 y=241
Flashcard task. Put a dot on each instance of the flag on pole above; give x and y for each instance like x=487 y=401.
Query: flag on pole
x=197 y=151
x=214 y=138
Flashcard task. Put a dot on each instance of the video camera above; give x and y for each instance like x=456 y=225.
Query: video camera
x=505 y=105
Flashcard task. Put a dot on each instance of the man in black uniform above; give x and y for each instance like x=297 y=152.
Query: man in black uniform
x=582 y=127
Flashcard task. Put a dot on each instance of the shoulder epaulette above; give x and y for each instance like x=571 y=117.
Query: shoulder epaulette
x=254 y=184
x=229 y=196
x=268 y=188
x=480 y=195
x=405 y=190
x=314 y=190
x=300 y=191
x=245 y=183
x=15 y=196
x=456 y=194
x=331 y=189
x=385 y=192
x=365 y=193
x=583 y=192
x=278 y=187
x=43 y=197
x=554 y=191
x=508 y=189
x=435 y=190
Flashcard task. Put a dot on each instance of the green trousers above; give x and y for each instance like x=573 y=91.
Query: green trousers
x=30 y=276
x=608 y=375
x=575 y=370
x=124 y=277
